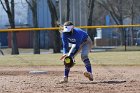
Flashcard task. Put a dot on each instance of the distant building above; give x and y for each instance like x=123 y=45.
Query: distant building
x=20 y=19
x=3 y=36
x=23 y=18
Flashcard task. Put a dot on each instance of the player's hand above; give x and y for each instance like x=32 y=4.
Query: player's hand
x=62 y=58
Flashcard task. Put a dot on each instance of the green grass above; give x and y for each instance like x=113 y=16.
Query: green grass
x=116 y=58
x=97 y=58
x=128 y=48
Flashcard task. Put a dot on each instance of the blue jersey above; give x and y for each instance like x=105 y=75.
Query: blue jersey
x=77 y=37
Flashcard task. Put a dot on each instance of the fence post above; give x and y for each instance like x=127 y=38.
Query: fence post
x=0 y=45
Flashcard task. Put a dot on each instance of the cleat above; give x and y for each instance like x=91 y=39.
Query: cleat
x=88 y=75
x=65 y=80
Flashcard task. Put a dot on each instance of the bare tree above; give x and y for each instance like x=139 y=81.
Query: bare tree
x=119 y=10
x=68 y=10
x=115 y=8
x=36 y=34
x=90 y=18
x=132 y=22
x=133 y=7
x=8 y=6
x=54 y=21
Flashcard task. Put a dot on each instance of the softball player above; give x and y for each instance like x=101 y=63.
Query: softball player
x=80 y=41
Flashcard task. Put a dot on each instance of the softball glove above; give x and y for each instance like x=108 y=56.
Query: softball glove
x=69 y=62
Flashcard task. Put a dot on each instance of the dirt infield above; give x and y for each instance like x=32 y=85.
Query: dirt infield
x=107 y=79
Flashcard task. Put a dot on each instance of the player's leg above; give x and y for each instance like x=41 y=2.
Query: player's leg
x=84 y=56
x=67 y=69
x=66 y=75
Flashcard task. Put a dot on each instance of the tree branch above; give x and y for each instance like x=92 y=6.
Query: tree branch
x=3 y=6
x=30 y=5
x=8 y=8
x=110 y=10
x=53 y=12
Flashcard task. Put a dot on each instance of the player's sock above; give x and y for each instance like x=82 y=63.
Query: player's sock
x=88 y=65
x=89 y=69
x=66 y=72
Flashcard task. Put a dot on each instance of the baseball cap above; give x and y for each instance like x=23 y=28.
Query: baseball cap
x=68 y=26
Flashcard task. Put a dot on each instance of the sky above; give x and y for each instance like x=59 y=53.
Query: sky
x=21 y=11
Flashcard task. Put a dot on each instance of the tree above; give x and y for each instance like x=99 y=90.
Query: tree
x=36 y=34
x=115 y=9
x=133 y=12
x=132 y=17
x=119 y=10
x=68 y=10
x=9 y=6
x=54 y=22
x=90 y=18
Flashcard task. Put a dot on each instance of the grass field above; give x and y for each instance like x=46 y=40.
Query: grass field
x=97 y=58
x=128 y=48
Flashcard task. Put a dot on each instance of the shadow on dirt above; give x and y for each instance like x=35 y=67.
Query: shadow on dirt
x=107 y=82
x=113 y=82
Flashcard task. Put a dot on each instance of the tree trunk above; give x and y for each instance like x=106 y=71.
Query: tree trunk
x=14 y=37
x=56 y=35
x=9 y=9
x=132 y=22
x=91 y=32
x=36 y=34
x=68 y=10
x=123 y=30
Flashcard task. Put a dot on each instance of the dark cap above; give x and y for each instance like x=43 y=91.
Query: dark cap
x=68 y=23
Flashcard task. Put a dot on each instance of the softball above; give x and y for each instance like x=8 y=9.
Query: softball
x=67 y=60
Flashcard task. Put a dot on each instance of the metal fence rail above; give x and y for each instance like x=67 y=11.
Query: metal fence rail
x=57 y=28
